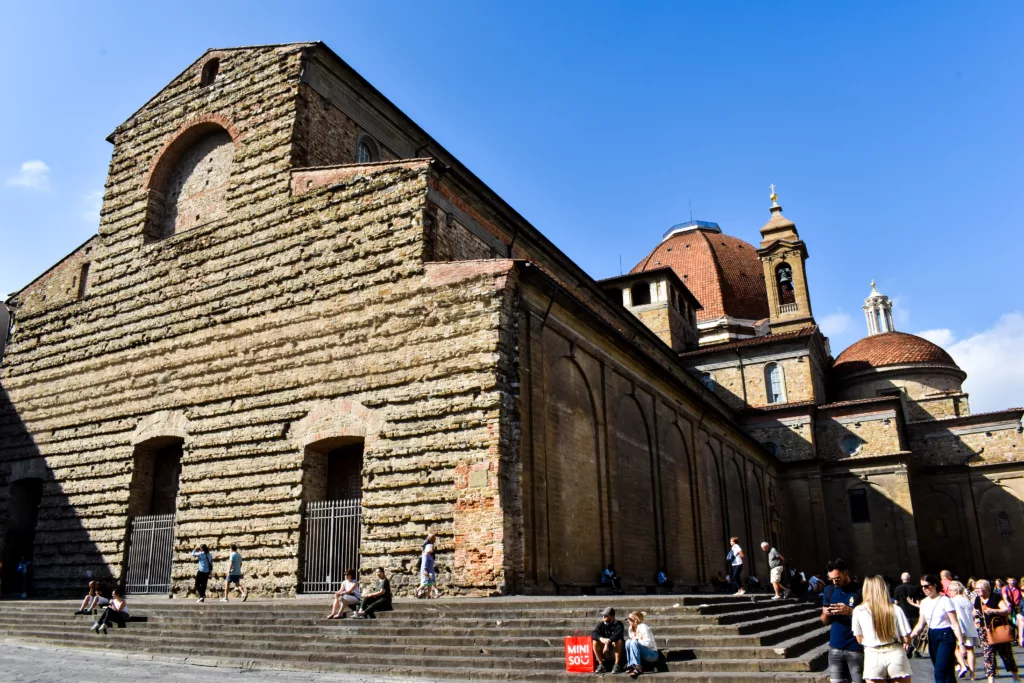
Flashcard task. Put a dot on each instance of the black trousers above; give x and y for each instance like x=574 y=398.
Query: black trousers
x=735 y=571
x=112 y=615
x=371 y=605
x=202 y=578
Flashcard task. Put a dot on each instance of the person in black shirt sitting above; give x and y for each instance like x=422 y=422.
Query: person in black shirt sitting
x=608 y=635
x=377 y=601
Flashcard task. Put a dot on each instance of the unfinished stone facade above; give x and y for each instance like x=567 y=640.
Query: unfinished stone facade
x=287 y=271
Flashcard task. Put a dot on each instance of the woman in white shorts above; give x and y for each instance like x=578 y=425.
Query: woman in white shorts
x=882 y=628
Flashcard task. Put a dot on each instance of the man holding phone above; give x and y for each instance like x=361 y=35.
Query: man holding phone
x=845 y=654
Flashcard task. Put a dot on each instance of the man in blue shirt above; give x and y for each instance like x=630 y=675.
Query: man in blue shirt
x=845 y=654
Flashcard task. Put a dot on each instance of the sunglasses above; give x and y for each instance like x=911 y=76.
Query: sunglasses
x=927 y=585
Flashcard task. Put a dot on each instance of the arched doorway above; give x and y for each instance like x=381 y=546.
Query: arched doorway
x=152 y=504
x=23 y=513
x=332 y=514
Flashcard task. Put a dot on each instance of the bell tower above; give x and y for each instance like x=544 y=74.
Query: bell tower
x=782 y=254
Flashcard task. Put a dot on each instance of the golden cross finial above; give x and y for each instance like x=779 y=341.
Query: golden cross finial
x=774 y=196
x=872 y=284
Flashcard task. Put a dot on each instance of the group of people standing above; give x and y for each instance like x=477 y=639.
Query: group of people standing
x=874 y=634
x=233 y=575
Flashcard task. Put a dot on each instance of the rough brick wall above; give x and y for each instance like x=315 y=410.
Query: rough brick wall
x=878 y=431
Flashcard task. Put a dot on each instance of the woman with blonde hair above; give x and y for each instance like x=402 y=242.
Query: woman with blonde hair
x=965 y=616
x=640 y=644
x=882 y=628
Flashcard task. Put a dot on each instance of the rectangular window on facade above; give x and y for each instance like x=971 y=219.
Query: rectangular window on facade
x=83 y=281
x=859 y=506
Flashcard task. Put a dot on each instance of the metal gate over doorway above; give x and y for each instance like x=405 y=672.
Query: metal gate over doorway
x=331 y=533
x=150 y=555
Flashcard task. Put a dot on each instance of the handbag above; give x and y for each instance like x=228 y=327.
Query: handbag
x=998 y=630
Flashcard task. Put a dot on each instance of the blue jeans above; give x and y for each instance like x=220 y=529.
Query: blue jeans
x=942 y=649
x=635 y=653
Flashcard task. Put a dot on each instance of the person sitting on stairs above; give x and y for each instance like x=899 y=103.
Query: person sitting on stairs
x=607 y=636
x=93 y=599
x=116 y=611
x=347 y=595
x=641 y=646
x=377 y=601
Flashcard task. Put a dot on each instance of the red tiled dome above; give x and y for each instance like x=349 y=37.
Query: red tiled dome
x=723 y=272
x=890 y=348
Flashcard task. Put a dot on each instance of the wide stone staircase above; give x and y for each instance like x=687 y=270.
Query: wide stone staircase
x=703 y=637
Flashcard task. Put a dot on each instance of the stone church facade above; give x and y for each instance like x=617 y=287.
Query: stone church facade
x=296 y=295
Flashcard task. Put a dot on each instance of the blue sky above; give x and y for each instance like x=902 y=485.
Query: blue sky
x=892 y=131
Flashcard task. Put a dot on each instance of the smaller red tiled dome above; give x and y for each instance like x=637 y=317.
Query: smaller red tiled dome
x=890 y=348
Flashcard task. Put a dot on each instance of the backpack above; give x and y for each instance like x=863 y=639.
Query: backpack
x=730 y=557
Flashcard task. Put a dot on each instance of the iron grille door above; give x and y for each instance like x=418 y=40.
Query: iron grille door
x=332 y=530
x=150 y=554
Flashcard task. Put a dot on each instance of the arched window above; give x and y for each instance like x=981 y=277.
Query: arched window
x=367 y=150
x=774 y=384
x=210 y=70
x=708 y=380
x=851 y=444
x=784 y=283
x=641 y=294
x=859 y=513
x=189 y=186
x=1003 y=521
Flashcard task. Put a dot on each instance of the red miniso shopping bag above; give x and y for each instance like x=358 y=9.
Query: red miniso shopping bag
x=579 y=655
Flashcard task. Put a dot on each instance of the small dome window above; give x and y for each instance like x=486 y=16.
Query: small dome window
x=210 y=70
x=1003 y=522
x=367 y=151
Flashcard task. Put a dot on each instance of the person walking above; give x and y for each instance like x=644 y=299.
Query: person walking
x=202 y=555
x=116 y=611
x=428 y=577
x=845 y=654
x=1012 y=595
x=234 y=574
x=945 y=576
x=882 y=628
x=378 y=600
x=965 y=617
x=347 y=595
x=640 y=644
x=776 y=564
x=994 y=629
x=938 y=617
x=735 y=560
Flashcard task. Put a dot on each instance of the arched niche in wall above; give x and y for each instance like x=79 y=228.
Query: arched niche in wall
x=677 y=504
x=188 y=183
x=1001 y=523
x=573 y=509
x=633 y=499
x=734 y=503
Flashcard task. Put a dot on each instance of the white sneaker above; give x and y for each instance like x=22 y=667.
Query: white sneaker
x=103 y=629
x=223 y=599
x=95 y=627
x=776 y=597
x=201 y=600
x=740 y=592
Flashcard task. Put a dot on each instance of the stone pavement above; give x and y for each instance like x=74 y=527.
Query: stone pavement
x=21 y=664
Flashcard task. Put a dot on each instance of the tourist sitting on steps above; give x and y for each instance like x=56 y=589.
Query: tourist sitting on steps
x=641 y=646
x=663 y=581
x=347 y=595
x=377 y=601
x=116 y=611
x=608 y=637
x=93 y=599
x=610 y=578
x=719 y=584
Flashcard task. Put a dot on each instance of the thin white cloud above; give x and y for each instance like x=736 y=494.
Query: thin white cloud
x=835 y=324
x=994 y=363
x=92 y=202
x=942 y=336
x=34 y=175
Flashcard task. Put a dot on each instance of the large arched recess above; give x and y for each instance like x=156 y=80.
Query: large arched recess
x=758 y=529
x=937 y=521
x=1001 y=543
x=677 y=499
x=573 y=499
x=632 y=484
x=734 y=503
x=712 y=505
